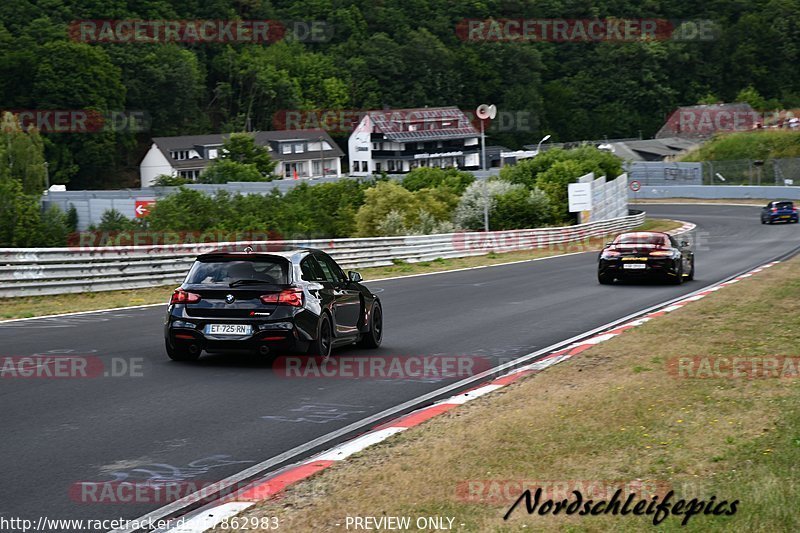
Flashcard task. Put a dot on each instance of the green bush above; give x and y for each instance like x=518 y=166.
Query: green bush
x=433 y=177
x=520 y=208
x=224 y=171
x=113 y=220
x=165 y=180
x=184 y=210
x=418 y=209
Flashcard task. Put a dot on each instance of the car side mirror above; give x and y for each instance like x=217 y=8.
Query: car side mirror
x=609 y=244
x=354 y=276
x=684 y=244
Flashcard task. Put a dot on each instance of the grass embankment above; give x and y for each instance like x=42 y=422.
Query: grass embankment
x=69 y=303
x=614 y=412
x=768 y=144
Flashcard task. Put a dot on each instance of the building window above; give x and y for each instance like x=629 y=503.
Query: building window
x=420 y=146
x=213 y=153
x=286 y=148
x=180 y=155
x=355 y=166
x=364 y=167
x=391 y=165
x=298 y=148
x=189 y=174
x=376 y=146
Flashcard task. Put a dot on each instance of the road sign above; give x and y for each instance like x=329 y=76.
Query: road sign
x=580 y=197
x=142 y=207
x=635 y=185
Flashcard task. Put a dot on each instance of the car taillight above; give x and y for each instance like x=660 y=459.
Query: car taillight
x=293 y=297
x=610 y=253
x=794 y=210
x=180 y=296
x=774 y=209
x=661 y=253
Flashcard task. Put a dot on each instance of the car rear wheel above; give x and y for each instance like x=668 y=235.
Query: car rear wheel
x=181 y=354
x=678 y=279
x=322 y=345
x=373 y=338
x=690 y=277
x=604 y=279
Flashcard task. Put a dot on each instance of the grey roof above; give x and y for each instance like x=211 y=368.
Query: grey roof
x=391 y=123
x=262 y=138
x=652 y=149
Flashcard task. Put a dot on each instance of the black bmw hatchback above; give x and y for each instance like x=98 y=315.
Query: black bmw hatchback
x=296 y=300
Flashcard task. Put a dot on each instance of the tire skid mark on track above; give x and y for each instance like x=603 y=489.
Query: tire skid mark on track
x=273 y=484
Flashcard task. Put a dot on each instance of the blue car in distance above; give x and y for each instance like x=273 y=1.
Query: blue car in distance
x=779 y=211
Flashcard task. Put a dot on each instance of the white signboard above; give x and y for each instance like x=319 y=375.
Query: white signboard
x=580 y=197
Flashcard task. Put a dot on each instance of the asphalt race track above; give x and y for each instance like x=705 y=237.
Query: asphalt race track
x=204 y=421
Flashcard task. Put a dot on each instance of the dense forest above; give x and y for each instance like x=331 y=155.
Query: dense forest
x=377 y=53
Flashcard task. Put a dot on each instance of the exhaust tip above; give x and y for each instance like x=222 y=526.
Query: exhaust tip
x=193 y=349
x=263 y=350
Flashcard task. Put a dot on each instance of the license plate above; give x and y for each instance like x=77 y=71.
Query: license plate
x=229 y=329
x=635 y=266
x=785 y=216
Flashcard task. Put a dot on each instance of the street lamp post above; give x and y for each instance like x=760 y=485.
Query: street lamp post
x=539 y=146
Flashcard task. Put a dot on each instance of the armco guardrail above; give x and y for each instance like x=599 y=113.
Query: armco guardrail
x=42 y=271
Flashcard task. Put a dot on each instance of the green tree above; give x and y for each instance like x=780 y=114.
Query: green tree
x=242 y=148
x=224 y=171
x=22 y=156
x=113 y=220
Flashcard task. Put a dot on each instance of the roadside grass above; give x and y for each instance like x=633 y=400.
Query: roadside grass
x=32 y=306
x=612 y=413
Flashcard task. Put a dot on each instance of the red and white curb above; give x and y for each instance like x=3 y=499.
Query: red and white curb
x=686 y=227
x=270 y=487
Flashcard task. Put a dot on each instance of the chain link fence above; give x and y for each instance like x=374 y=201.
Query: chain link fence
x=752 y=172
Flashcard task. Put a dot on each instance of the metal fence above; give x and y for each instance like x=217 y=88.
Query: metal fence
x=784 y=171
x=42 y=271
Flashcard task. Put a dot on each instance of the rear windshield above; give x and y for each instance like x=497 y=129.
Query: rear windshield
x=638 y=238
x=784 y=205
x=225 y=271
